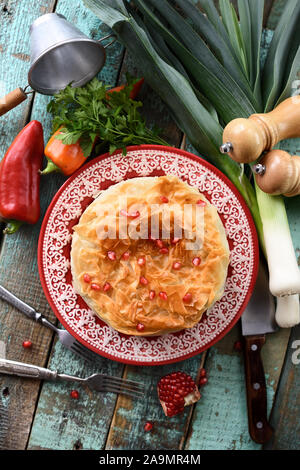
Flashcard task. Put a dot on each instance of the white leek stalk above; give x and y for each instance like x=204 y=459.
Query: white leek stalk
x=287 y=311
x=283 y=268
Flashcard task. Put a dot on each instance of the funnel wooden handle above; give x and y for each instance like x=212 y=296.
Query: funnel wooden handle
x=249 y=138
x=11 y=100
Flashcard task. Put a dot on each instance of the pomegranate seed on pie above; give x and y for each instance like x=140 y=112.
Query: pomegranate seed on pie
x=95 y=286
x=163 y=295
x=187 y=298
x=87 y=278
x=130 y=215
x=164 y=199
x=201 y=203
x=126 y=255
x=106 y=287
x=196 y=261
x=111 y=255
x=143 y=281
x=159 y=243
x=164 y=250
x=176 y=265
x=140 y=327
x=175 y=391
x=141 y=261
x=152 y=294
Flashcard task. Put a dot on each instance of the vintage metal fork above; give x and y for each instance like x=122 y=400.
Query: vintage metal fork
x=98 y=382
x=63 y=335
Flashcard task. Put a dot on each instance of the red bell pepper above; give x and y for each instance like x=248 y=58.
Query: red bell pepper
x=20 y=178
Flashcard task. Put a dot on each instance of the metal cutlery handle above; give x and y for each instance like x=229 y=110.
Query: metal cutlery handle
x=30 y=312
x=26 y=370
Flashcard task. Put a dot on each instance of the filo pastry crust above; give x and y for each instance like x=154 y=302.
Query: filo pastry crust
x=127 y=302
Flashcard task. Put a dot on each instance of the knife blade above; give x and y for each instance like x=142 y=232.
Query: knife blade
x=257 y=320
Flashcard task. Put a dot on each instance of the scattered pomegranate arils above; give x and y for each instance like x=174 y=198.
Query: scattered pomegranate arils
x=95 y=286
x=111 y=255
x=196 y=261
x=126 y=255
x=238 y=346
x=175 y=240
x=143 y=281
x=164 y=199
x=148 y=426
x=187 y=298
x=87 y=278
x=202 y=373
x=163 y=295
x=176 y=265
x=152 y=294
x=164 y=250
x=203 y=381
x=175 y=391
x=27 y=344
x=130 y=215
x=141 y=261
x=74 y=394
x=140 y=327
x=159 y=243
x=106 y=287
x=201 y=203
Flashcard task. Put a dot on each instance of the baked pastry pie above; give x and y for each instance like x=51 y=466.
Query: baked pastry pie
x=150 y=255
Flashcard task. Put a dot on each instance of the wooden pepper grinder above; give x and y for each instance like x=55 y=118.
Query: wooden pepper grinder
x=246 y=139
x=278 y=173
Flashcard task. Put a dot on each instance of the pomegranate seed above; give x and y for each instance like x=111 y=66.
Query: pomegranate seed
x=95 y=286
x=27 y=344
x=201 y=203
x=159 y=243
x=140 y=327
x=176 y=265
x=202 y=373
x=111 y=255
x=203 y=381
x=143 y=281
x=196 y=261
x=187 y=298
x=131 y=215
x=148 y=426
x=126 y=255
x=152 y=294
x=163 y=295
x=238 y=346
x=87 y=278
x=141 y=261
x=164 y=250
x=175 y=240
x=164 y=199
x=106 y=286
x=74 y=394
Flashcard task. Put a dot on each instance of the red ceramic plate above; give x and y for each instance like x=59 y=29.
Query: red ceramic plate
x=55 y=243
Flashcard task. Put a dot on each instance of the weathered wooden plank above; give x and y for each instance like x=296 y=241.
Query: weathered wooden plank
x=285 y=415
x=61 y=422
x=18 y=255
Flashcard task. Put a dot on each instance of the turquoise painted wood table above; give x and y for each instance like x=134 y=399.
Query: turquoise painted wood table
x=42 y=415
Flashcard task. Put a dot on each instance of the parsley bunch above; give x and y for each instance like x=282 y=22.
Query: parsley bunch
x=89 y=112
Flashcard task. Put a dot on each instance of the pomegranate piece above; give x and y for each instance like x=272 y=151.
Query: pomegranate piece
x=196 y=261
x=200 y=202
x=175 y=391
x=143 y=281
x=148 y=426
x=164 y=250
x=111 y=255
x=87 y=278
x=27 y=344
x=126 y=255
x=130 y=215
x=95 y=286
x=106 y=287
x=152 y=294
x=74 y=394
x=141 y=261
x=163 y=295
x=176 y=265
x=164 y=199
x=187 y=298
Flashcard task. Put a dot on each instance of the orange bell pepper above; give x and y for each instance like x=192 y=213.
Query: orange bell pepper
x=62 y=157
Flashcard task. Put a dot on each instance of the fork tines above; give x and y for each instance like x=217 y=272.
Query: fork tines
x=120 y=385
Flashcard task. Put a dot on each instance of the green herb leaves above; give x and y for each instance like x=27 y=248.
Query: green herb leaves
x=88 y=112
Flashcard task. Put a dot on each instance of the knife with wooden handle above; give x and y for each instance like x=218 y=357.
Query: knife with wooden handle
x=257 y=320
